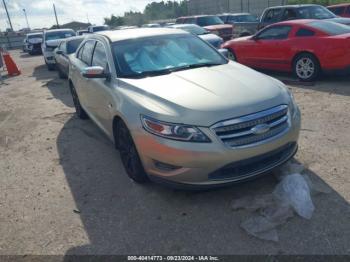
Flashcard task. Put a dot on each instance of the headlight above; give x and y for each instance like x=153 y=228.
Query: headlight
x=292 y=105
x=174 y=131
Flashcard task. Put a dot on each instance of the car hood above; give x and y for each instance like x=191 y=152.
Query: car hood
x=341 y=20
x=53 y=43
x=204 y=96
x=217 y=27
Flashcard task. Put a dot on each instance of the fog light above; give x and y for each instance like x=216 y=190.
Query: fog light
x=165 y=167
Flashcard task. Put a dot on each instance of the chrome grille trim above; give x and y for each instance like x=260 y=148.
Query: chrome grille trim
x=240 y=132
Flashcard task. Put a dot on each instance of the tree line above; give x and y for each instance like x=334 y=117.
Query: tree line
x=154 y=11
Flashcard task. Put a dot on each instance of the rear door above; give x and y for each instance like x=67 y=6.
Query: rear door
x=64 y=60
x=82 y=84
x=272 y=48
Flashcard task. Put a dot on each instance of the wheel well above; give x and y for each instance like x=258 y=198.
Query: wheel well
x=70 y=83
x=116 y=121
x=307 y=53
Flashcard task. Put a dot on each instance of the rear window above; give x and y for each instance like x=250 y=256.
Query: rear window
x=315 y=12
x=330 y=28
x=337 y=10
x=35 y=36
x=273 y=15
x=209 y=20
x=73 y=45
x=58 y=35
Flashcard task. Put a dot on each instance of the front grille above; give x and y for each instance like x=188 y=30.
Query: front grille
x=254 y=128
x=256 y=165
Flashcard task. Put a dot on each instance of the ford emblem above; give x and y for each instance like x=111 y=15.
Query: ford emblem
x=260 y=129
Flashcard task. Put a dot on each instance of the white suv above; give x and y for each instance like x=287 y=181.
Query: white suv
x=51 y=39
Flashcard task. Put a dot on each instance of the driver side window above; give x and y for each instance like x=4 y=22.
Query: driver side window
x=275 y=33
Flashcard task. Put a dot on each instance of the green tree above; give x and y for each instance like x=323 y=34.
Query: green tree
x=114 y=21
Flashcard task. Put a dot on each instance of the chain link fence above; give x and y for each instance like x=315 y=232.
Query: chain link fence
x=256 y=7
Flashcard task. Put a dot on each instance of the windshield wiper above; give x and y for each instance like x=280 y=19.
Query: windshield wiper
x=170 y=70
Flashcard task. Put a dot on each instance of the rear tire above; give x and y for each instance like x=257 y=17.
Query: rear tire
x=306 y=67
x=78 y=108
x=129 y=155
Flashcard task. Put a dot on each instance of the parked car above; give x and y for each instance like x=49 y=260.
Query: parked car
x=212 y=39
x=66 y=48
x=178 y=111
x=32 y=43
x=211 y=23
x=82 y=32
x=244 y=23
x=291 y=12
x=97 y=28
x=305 y=47
x=342 y=10
x=51 y=39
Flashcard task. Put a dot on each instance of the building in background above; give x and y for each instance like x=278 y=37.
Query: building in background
x=256 y=7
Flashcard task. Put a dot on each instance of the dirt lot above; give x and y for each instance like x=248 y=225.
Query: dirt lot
x=63 y=189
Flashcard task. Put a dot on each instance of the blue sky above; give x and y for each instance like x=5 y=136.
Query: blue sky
x=40 y=12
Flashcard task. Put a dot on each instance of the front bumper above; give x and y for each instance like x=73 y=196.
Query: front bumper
x=203 y=165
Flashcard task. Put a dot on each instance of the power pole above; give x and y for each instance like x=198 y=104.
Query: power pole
x=54 y=9
x=8 y=16
x=25 y=15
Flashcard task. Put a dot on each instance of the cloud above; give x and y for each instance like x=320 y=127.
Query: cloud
x=40 y=12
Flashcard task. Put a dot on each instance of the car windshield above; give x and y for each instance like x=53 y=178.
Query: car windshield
x=157 y=55
x=315 y=12
x=331 y=28
x=209 y=20
x=35 y=36
x=247 y=18
x=196 y=30
x=58 y=35
x=73 y=45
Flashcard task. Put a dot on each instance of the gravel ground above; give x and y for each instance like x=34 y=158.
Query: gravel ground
x=63 y=189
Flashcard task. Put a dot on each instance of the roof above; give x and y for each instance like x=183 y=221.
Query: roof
x=299 y=22
x=72 y=38
x=291 y=6
x=58 y=30
x=339 y=5
x=195 y=16
x=234 y=14
x=183 y=25
x=37 y=33
x=119 y=35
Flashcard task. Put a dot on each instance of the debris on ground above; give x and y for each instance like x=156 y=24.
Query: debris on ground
x=291 y=195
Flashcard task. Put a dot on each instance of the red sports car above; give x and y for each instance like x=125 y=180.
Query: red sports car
x=305 y=47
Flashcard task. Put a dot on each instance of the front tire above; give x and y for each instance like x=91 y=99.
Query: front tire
x=50 y=67
x=78 y=108
x=129 y=155
x=306 y=67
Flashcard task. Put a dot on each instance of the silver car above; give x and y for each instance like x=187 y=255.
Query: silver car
x=178 y=111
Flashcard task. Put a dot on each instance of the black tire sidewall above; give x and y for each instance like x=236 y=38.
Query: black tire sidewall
x=140 y=175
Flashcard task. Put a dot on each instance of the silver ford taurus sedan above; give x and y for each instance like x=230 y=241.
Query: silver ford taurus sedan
x=178 y=111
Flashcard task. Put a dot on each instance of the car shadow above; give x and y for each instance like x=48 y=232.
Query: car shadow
x=122 y=217
x=336 y=84
x=59 y=88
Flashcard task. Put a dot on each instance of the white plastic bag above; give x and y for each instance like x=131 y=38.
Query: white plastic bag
x=294 y=190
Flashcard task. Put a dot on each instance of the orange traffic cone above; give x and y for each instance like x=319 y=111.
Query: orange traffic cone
x=12 y=69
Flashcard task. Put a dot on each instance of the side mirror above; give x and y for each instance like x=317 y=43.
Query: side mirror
x=59 y=52
x=94 y=72
x=224 y=52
